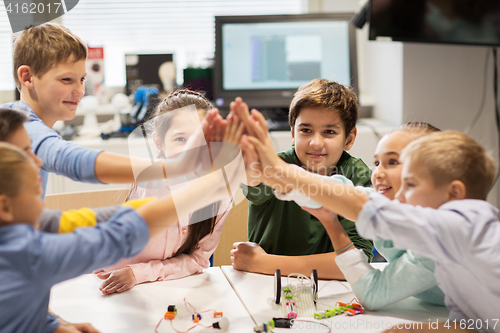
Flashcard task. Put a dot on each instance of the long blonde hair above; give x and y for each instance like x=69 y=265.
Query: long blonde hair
x=13 y=163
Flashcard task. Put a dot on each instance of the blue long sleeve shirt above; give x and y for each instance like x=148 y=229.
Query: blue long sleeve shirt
x=461 y=236
x=58 y=156
x=31 y=262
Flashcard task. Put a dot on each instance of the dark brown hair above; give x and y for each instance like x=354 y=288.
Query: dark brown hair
x=10 y=121
x=198 y=227
x=329 y=95
x=44 y=46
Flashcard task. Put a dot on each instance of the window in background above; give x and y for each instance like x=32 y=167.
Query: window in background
x=185 y=28
x=6 y=79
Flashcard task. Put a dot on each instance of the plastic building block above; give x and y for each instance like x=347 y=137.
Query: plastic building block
x=351 y=312
x=169 y=315
x=331 y=313
x=171 y=312
x=319 y=315
x=217 y=314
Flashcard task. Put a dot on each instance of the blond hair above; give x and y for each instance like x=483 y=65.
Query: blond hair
x=45 y=46
x=452 y=155
x=13 y=161
x=329 y=95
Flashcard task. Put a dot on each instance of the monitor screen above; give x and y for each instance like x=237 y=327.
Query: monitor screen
x=436 y=21
x=264 y=59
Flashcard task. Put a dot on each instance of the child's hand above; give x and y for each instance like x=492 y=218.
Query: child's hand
x=252 y=165
x=217 y=128
x=234 y=129
x=247 y=256
x=240 y=108
x=117 y=281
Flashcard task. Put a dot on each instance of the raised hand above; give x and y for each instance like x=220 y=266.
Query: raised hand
x=240 y=108
x=252 y=164
x=234 y=129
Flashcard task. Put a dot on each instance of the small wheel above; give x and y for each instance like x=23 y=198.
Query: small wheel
x=314 y=285
x=277 y=286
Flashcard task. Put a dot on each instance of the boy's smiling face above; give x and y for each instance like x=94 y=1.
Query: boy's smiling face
x=319 y=138
x=418 y=188
x=56 y=94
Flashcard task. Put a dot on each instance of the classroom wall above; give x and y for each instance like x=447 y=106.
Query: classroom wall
x=443 y=85
x=440 y=84
x=380 y=66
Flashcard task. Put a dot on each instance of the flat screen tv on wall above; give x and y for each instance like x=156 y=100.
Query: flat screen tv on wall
x=466 y=22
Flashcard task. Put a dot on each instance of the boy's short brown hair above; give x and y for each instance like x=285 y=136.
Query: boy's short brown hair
x=44 y=46
x=452 y=155
x=329 y=95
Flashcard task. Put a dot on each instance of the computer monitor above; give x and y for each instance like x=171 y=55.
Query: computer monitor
x=265 y=58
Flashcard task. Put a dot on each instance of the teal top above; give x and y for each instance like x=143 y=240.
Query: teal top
x=407 y=274
x=283 y=228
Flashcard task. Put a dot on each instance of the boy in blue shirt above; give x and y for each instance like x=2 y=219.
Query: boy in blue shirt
x=49 y=71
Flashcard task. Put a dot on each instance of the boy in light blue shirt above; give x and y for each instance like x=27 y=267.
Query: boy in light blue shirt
x=49 y=71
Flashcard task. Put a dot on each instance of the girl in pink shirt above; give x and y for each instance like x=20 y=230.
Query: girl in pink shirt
x=184 y=248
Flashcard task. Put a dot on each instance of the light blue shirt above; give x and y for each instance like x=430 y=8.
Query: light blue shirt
x=58 y=156
x=463 y=239
x=31 y=262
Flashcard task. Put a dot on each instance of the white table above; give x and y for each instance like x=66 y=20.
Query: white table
x=256 y=291
x=141 y=308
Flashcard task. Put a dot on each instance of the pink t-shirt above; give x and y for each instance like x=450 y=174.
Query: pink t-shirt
x=157 y=262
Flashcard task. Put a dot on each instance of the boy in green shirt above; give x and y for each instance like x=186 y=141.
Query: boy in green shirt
x=281 y=234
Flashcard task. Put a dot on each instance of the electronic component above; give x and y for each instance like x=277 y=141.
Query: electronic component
x=171 y=312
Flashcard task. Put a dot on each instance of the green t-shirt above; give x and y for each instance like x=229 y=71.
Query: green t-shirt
x=283 y=228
